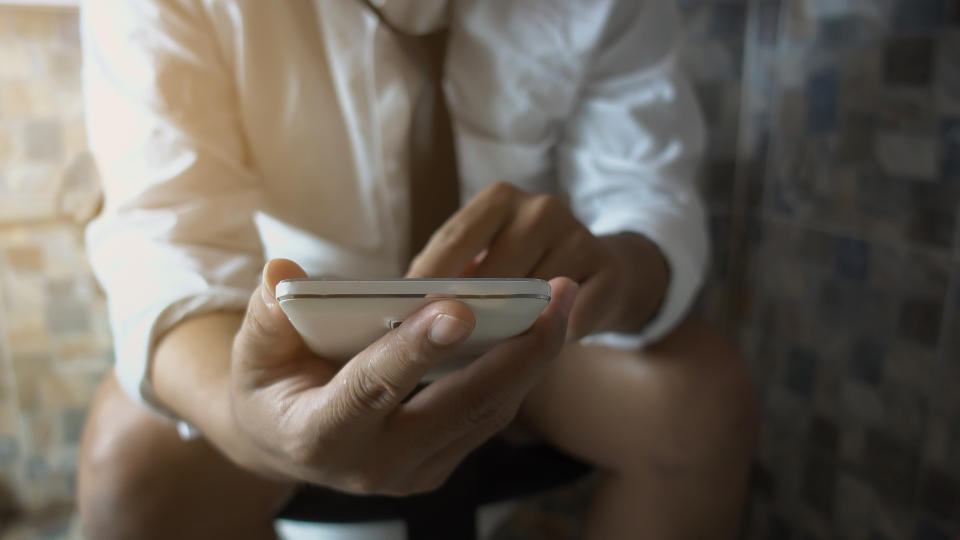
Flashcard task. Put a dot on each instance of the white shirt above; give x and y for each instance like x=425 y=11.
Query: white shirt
x=227 y=132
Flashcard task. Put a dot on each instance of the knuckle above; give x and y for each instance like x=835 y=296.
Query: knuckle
x=369 y=481
x=368 y=391
x=490 y=411
x=450 y=234
x=501 y=192
x=581 y=238
x=544 y=207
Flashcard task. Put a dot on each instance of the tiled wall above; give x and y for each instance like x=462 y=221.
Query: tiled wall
x=54 y=341
x=833 y=179
x=849 y=258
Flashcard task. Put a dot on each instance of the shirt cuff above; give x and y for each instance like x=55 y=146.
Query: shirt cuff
x=686 y=276
x=141 y=333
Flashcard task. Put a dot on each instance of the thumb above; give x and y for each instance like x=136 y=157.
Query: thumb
x=266 y=332
x=379 y=378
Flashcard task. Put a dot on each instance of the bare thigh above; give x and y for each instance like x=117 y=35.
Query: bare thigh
x=684 y=403
x=138 y=479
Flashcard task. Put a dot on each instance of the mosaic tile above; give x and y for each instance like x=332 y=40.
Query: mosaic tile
x=854 y=505
x=862 y=405
x=9 y=450
x=940 y=494
x=908 y=61
x=920 y=320
x=801 y=369
x=819 y=484
x=931 y=531
x=822 y=94
x=766 y=28
x=918 y=15
x=908 y=156
x=824 y=435
x=890 y=467
x=24 y=258
x=43 y=140
x=947 y=77
x=73 y=421
x=950 y=149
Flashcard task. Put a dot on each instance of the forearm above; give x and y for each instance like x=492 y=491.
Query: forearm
x=190 y=372
x=644 y=277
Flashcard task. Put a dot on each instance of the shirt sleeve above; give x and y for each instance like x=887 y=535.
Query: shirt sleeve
x=176 y=237
x=628 y=154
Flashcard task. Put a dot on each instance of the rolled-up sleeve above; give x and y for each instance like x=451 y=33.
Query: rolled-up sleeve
x=176 y=237
x=629 y=153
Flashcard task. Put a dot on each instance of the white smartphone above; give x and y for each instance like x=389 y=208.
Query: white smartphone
x=339 y=318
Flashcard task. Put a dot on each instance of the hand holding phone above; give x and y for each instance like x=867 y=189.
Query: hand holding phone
x=339 y=318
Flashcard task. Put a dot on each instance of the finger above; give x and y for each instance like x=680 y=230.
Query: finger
x=266 y=332
x=484 y=396
x=591 y=308
x=575 y=258
x=378 y=379
x=466 y=233
x=537 y=226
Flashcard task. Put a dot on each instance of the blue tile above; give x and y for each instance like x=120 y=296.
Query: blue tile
x=845 y=31
x=727 y=21
x=918 y=15
x=852 y=258
x=801 y=369
x=950 y=153
x=37 y=469
x=768 y=21
x=9 y=450
x=822 y=91
x=866 y=362
x=73 y=420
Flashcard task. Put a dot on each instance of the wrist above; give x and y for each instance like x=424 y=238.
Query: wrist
x=643 y=277
x=190 y=372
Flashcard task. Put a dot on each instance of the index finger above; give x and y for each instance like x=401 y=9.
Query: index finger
x=470 y=230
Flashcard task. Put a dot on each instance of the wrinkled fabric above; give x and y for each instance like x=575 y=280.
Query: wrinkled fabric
x=229 y=132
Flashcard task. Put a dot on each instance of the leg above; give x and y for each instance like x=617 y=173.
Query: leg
x=672 y=429
x=138 y=480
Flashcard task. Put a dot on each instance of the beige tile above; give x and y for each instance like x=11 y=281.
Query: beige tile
x=43 y=430
x=60 y=392
x=15 y=60
x=34 y=24
x=25 y=258
x=28 y=336
x=6 y=145
x=27 y=99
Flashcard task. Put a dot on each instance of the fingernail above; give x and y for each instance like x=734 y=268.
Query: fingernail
x=447 y=330
x=268 y=297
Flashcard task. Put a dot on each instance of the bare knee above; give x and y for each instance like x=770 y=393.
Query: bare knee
x=138 y=480
x=114 y=488
x=704 y=398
